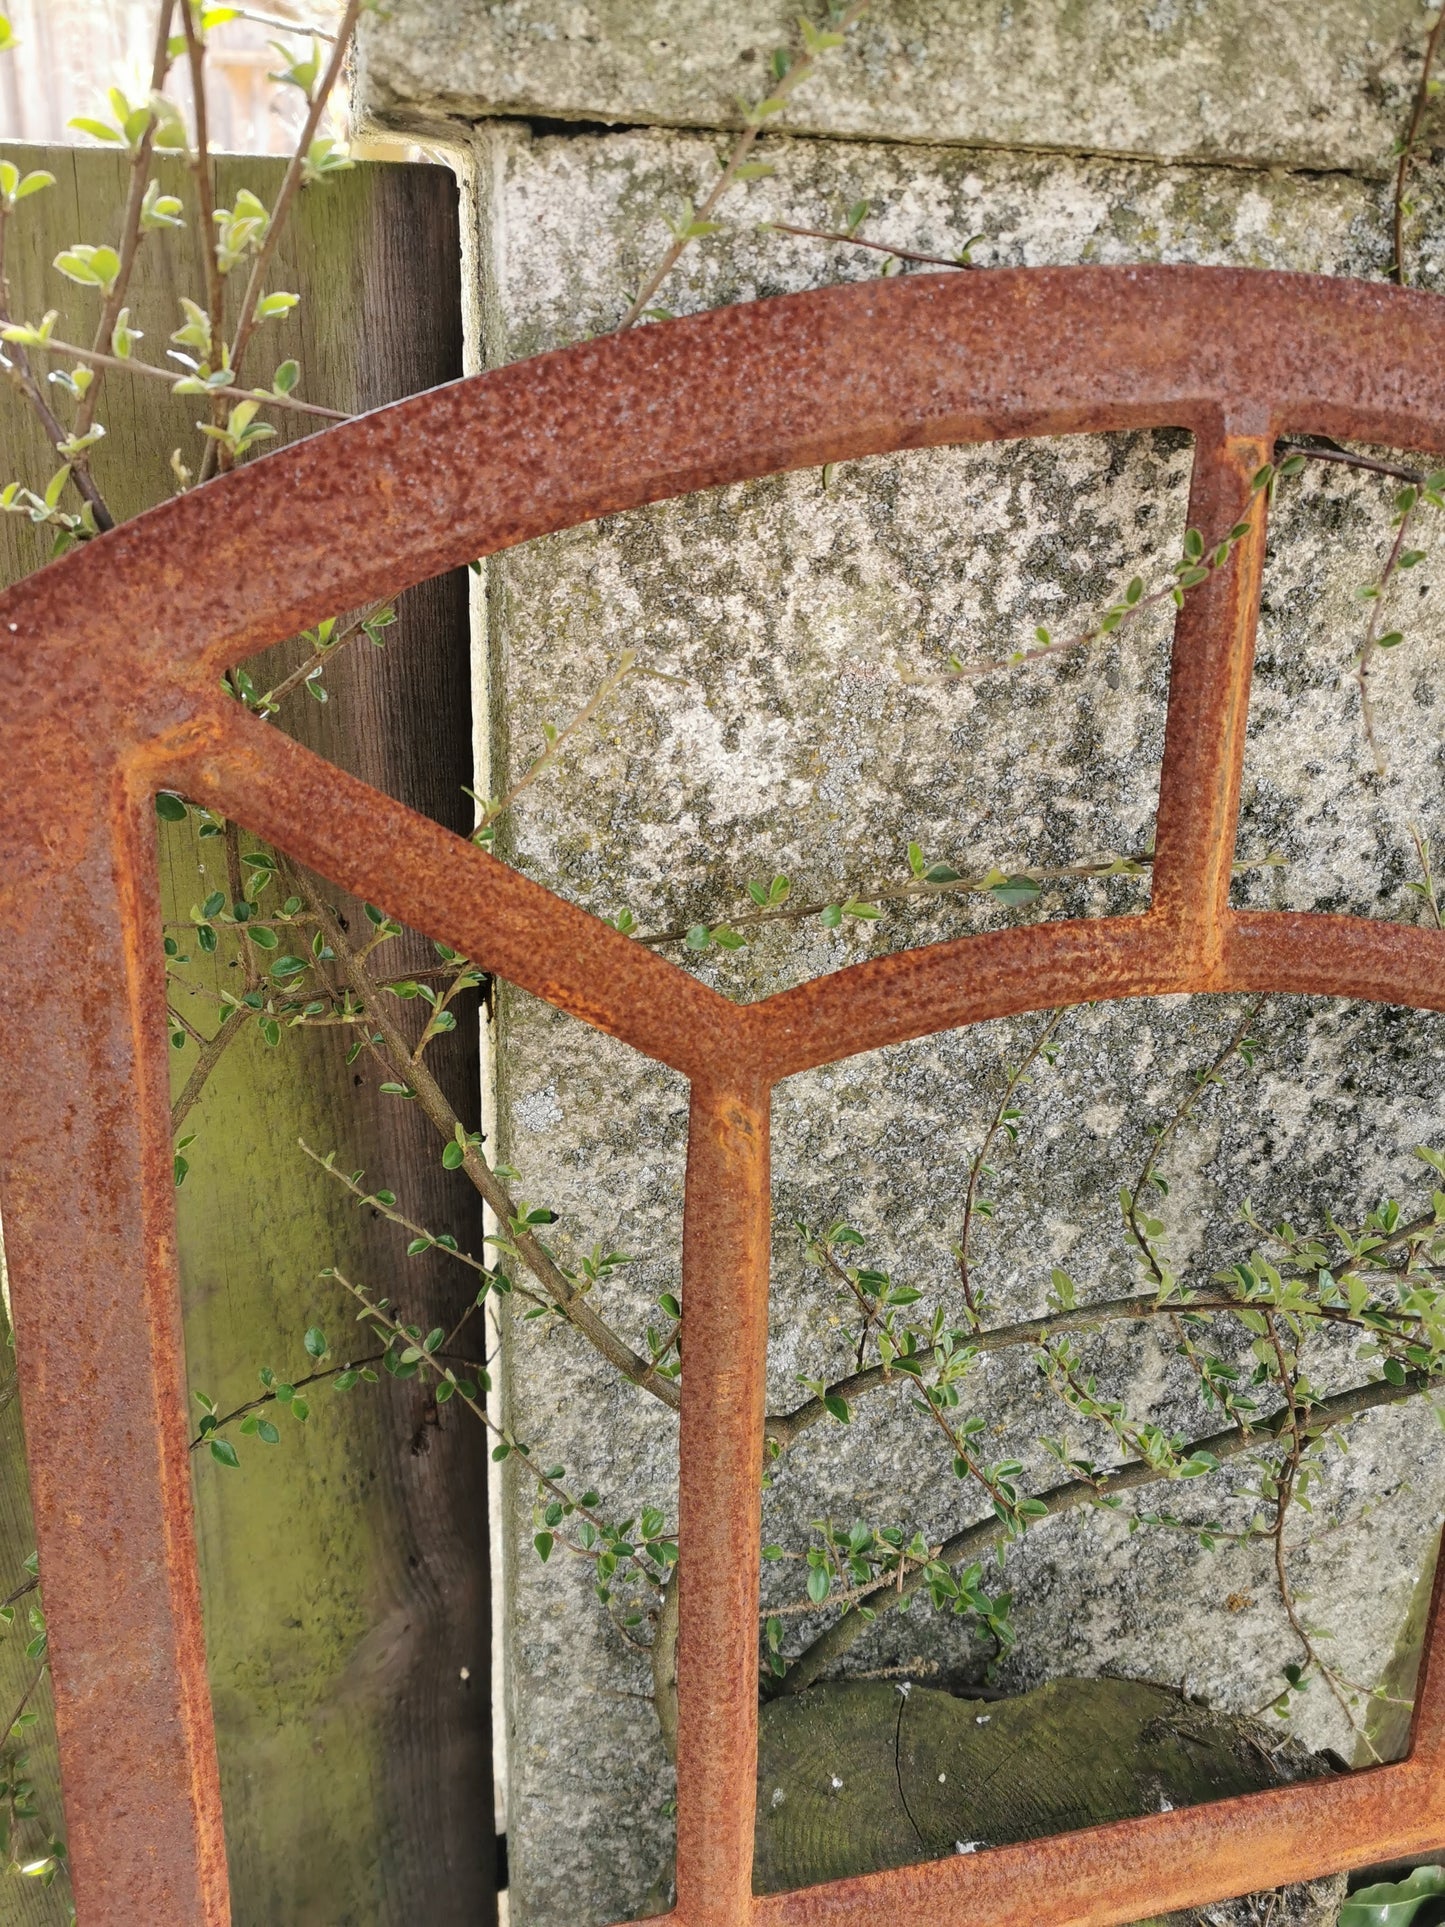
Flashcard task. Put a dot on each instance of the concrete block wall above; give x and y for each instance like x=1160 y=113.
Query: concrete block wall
x=801 y=623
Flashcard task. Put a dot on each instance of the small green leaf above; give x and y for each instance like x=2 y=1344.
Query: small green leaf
x=1016 y=890
x=97 y=129
x=315 y=1342
x=1393 y=1903
x=224 y=1452
x=90 y=267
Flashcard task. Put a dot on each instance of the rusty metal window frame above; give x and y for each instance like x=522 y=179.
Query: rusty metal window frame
x=109 y=690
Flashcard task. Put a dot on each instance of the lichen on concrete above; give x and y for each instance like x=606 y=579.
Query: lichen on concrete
x=811 y=733
x=1317 y=87
x=800 y=720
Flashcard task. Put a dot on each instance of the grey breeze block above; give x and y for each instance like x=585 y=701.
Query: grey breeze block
x=807 y=619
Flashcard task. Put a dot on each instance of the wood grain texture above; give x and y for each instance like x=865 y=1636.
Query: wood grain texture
x=345 y=1571
x=23 y=1903
x=860 y=1775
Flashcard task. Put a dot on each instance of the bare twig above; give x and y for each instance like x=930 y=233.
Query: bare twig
x=310 y=31
x=1426 y=888
x=230 y=1029
x=290 y=185
x=799 y=71
x=627 y=665
x=1012 y=1080
x=1372 y=635
x=1150 y=1258
x=1408 y=149
x=1182 y=1112
x=130 y=226
x=1347 y=458
x=205 y=198
x=878 y=247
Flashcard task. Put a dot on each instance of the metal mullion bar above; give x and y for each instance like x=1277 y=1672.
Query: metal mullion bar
x=726 y=1249
x=1209 y=678
x=445 y=886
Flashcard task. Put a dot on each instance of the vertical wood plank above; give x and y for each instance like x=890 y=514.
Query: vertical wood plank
x=345 y=1571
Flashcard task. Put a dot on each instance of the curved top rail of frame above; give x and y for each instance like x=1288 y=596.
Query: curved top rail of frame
x=369 y=508
x=116 y=647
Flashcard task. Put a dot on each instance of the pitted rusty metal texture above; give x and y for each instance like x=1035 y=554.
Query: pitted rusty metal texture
x=109 y=666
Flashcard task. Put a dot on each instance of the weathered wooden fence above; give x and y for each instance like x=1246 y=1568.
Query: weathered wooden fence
x=345 y=1570
x=67 y=53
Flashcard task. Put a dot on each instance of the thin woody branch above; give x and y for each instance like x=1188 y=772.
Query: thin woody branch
x=570 y=1302
x=974 y=1540
x=784 y=1428
x=290 y=185
x=1409 y=148
x=93 y=358
x=798 y=71
x=130 y=226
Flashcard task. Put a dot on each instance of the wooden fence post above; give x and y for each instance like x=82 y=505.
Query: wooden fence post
x=345 y=1570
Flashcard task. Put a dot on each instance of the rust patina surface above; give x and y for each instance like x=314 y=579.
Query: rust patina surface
x=109 y=668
